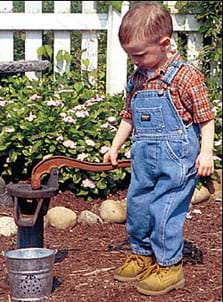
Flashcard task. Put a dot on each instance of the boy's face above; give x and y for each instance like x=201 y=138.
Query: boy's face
x=148 y=55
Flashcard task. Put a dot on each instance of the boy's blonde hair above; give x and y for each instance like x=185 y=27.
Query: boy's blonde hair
x=145 y=21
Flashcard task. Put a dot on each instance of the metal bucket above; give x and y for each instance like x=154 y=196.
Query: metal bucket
x=30 y=273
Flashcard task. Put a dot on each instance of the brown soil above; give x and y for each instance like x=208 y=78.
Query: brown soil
x=86 y=272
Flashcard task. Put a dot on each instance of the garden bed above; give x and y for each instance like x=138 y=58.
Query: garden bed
x=91 y=253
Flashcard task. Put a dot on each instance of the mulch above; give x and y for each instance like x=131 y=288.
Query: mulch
x=88 y=255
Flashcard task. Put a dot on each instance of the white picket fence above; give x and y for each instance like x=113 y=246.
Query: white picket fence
x=89 y=23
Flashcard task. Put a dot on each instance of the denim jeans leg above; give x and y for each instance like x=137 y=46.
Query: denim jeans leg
x=172 y=194
x=169 y=213
x=140 y=192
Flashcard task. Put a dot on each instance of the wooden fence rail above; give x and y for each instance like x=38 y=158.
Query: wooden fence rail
x=62 y=22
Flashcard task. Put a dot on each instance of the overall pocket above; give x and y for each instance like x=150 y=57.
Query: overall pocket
x=176 y=150
x=149 y=120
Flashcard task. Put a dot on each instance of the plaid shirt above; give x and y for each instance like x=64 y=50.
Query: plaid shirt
x=188 y=91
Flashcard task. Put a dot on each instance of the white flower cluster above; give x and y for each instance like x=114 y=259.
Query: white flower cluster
x=69 y=144
x=67 y=118
x=82 y=156
x=52 y=103
x=31 y=117
x=35 y=97
x=80 y=111
x=94 y=100
x=90 y=142
x=88 y=183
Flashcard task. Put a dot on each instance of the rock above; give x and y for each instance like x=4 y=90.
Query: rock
x=87 y=217
x=7 y=226
x=123 y=203
x=6 y=200
x=23 y=66
x=112 y=211
x=217 y=196
x=218 y=186
x=2 y=185
x=61 y=217
x=196 y=211
x=200 y=195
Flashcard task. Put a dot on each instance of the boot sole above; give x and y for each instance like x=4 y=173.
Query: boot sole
x=125 y=279
x=180 y=284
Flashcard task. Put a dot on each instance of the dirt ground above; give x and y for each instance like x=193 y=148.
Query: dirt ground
x=91 y=254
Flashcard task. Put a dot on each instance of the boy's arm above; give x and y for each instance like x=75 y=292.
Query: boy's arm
x=204 y=161
x=124 y=130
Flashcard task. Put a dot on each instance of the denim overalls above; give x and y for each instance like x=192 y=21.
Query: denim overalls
x=163 y=174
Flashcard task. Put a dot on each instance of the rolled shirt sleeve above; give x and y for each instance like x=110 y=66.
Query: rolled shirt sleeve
x=194 y=95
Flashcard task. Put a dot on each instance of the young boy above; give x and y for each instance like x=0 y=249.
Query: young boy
x=166 y=112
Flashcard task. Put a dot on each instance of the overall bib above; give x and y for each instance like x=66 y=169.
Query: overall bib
x=163 y=174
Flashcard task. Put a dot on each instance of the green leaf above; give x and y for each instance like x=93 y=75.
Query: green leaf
x=45 y=50
x=67 y=57
x=40 y=51
x=25 y=152
x=86 y=63
x=76 y=178
x=82 y=193
x=19 y=136
x=52 y=148
x=96 y=191
x=36 y=146
x=180 y=5
x=13 y=155
x=48 y=50
x=101 y=184
x=116 y=5
x=2 y=148
x=78 y=86
x=59 y=55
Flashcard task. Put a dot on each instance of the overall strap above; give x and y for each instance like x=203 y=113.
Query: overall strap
x=172 y=71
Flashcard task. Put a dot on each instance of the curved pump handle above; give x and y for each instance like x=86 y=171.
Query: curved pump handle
x=46 y=165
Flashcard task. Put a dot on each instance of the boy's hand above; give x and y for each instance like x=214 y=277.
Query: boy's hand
x=204 y=165
x=204 y=161
x=125 y=128
x=111 y=156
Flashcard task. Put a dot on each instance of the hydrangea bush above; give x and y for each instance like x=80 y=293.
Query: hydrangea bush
x=57 y=117
x=68 y=118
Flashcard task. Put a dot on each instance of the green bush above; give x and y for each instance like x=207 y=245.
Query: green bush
x=209 y=16
x=59 y=117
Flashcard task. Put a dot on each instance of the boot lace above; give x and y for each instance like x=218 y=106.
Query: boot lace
x=139 y=261
x=154 y=268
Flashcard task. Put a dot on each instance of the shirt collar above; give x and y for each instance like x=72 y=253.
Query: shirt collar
x=162 y=69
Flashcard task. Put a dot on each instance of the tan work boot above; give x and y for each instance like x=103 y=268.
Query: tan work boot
x=161 y=280
x=133 y=267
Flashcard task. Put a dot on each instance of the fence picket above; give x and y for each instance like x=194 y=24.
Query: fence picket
x=33 y=38
x=194 y=45
x=89 y=41
x=61 y=38
x=116 y=75
x=6 y=37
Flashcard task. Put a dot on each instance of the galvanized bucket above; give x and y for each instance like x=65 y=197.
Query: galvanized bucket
x=30 y=273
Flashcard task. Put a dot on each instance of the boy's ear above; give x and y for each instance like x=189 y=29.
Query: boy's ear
x=165 y=42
